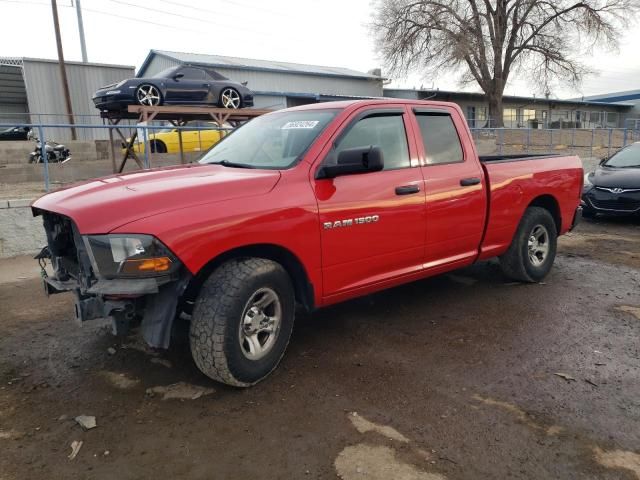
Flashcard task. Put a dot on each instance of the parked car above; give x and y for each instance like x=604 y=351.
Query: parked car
x=15 y=133
x=310 y=205
x=202 y=137
x=614 y=187
x=181 y=85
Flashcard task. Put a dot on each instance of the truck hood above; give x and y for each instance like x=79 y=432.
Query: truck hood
x=616 y=177
x=101 y=205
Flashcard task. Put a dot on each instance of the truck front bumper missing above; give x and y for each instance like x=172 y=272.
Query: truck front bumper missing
x=124 y=301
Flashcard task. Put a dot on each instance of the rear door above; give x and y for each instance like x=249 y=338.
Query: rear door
x=455 y=189
x=372 y=224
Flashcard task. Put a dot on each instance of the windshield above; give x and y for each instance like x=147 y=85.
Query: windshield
x=166 y=73
x=627 y=157
x=273 y=141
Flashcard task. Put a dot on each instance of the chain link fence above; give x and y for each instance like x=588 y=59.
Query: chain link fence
x=158 y=145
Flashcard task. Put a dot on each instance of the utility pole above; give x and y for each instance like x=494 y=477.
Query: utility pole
x=63 y=70
x=83 y=45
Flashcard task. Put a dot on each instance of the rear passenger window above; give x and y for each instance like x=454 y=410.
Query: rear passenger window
x=440 y=138
x=385 y=131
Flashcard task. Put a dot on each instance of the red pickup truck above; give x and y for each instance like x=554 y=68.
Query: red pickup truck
x=310 y=206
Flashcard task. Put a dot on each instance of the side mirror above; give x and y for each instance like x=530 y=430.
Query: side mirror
x=178 y=76
x=355 y=160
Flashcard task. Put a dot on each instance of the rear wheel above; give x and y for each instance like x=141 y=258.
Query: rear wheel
x=533 y=248
x=230 y=98
x=242 y=321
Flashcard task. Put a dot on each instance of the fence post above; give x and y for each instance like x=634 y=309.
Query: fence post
x=550 y=140
x=573 y=140
x=528 y=139
x=609 y=147
x=45 y=157
x=145 y=134
x=624 y=138
x=593 y=131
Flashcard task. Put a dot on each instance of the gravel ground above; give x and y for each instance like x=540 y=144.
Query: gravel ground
x=463 y=376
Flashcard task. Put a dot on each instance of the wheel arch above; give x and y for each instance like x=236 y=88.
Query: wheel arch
x=549 y=203
x=158 y=141
x=303 y=288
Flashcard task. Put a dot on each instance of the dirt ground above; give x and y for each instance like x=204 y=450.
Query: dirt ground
x=463 y=376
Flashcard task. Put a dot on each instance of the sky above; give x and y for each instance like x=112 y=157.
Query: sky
x=322 y=32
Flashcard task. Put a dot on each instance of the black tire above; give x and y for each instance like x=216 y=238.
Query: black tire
x=158 y=146
x=588 y=212
x=223 y=304
x=517 y=262
x=235 y=93
x=153 y=100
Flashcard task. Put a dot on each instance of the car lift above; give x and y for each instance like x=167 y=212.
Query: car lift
x=177 y=115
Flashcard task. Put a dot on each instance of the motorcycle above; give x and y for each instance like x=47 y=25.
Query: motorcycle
x=56 y=153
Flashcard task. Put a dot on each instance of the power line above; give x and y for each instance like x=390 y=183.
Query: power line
x=188 y=17
x=232 y=2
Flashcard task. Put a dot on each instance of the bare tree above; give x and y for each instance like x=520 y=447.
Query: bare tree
x=485 y=41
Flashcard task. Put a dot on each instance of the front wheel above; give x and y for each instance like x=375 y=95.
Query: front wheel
x=533 y=248
x=148 y=95
x=242 y=321
x=588 y=212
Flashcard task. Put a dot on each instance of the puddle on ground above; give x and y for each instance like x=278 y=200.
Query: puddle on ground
x=363 y=426
x=618 y=459
x=377 y=463
x=120 y=380
x=8 y=434
x=635 y=311
x=180 y=391
x=520 y=414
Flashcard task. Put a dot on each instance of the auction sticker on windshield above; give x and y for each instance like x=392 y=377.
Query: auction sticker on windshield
x=300 y=124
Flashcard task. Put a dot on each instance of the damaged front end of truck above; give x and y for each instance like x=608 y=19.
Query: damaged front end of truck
x=128 y=278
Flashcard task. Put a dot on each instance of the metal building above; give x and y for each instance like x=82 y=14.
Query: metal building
x=527 y=112
x=276 y=84
x=31 y=91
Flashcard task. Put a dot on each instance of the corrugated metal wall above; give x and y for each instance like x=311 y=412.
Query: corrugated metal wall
x=13 y=97
x=45 y=94
x=281 y=82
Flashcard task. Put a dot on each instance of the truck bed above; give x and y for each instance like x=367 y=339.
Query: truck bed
x=515 y=157
x=513 y=181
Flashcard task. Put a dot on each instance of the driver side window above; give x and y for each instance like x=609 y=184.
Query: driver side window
x=384 y=131
x=192 y=73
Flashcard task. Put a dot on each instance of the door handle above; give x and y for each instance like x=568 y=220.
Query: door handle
x=467 y=182
x=407 y=189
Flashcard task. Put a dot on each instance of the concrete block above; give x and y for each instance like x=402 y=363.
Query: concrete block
x=20 y=203
x=4 y=204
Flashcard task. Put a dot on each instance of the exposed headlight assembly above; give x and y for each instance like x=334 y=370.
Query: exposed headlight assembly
x=588 y=182
x=130 y=256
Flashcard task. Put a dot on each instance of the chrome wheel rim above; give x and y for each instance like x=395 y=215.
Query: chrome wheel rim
x=230 y=98
x=260 y=324
x=148 y=95
x=538 y=245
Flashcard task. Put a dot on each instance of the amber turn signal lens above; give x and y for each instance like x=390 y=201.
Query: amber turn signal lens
x=146 y=265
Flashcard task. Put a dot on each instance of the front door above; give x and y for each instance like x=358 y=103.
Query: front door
x=192 y=87
x=372 y=224
x=454 y=184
